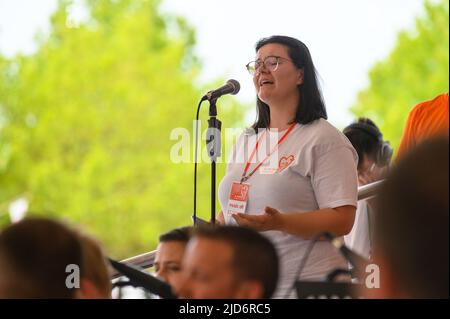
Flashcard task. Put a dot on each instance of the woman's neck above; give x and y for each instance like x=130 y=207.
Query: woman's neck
x=282 y=115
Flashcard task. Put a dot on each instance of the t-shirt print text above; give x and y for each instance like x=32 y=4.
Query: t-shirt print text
x=283 y=163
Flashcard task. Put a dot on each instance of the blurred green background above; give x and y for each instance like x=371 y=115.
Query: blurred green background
x=85 y=121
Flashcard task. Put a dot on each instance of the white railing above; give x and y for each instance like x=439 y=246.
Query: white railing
x=369 y=190
x=146 y=260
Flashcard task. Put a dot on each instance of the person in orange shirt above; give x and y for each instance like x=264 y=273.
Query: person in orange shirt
x=426 y=119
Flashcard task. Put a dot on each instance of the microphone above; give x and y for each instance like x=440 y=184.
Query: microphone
x=139 y=278
x=231 y=87
x=358 y=262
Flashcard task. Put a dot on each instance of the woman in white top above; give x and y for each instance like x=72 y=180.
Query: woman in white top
x=293 y=175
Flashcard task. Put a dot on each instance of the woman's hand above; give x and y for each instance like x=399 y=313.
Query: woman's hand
x=220 y=219
x=375 y=173
x=338 y=221
x=270 y=220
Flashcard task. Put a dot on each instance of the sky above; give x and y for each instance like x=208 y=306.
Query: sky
x=345 y=37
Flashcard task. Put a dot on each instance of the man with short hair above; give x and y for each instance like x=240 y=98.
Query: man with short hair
x=226 y=262
x=169 y=254
x=34 y=256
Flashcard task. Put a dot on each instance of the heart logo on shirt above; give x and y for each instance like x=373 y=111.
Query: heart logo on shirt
x=284 y=162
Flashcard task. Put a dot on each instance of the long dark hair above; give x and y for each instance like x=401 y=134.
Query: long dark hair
x=311 y=105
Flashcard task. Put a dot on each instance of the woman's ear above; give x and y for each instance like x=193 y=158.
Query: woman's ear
x=301 y=73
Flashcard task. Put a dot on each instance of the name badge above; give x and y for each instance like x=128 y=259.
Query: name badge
x=268 y=170
x=237 y=202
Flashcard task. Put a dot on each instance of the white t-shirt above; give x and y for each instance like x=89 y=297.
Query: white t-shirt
x=317 y=169
x=358 y=239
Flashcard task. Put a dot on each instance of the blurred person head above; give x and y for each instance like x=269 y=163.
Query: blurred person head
x=169 y=254
x=374 y=154
x=283 y=72
x=411 y=225
x=223 y=262
x=34 y=256
x=94 y=271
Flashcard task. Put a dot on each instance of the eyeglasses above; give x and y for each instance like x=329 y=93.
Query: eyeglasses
x=270 y=63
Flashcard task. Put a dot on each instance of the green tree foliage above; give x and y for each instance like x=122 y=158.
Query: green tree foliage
x=416 y=70
x=85 y=124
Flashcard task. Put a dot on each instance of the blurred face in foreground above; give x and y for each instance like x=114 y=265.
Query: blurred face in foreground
x=208 y=272
x=169 y=256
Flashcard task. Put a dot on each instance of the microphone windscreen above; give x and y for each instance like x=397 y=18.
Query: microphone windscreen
x=236 y=86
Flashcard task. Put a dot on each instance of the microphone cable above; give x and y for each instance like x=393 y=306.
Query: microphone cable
x=303 y=262
x=204 y=98
x=231 y=87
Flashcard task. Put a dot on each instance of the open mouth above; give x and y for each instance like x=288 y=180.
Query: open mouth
x=265 y=82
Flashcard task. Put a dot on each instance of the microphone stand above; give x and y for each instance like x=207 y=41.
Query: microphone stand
x=213 y=147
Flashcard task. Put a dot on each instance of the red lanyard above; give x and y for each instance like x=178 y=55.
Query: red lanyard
x=246 y=177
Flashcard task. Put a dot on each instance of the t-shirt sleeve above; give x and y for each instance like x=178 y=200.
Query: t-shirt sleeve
x=334 y=176
x=408 y=139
